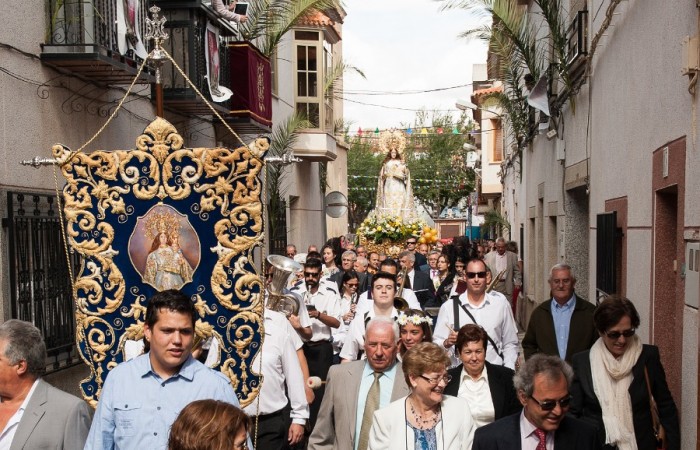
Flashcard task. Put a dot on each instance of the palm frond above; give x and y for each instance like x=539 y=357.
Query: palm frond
x=333 y=76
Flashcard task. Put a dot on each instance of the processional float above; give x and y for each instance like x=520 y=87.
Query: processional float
x=163 y=216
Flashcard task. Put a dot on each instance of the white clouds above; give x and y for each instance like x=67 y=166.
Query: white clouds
x=401 y=45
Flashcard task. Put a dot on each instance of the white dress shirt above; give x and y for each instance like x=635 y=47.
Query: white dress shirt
x=327 y=301
x=494 y=314
x=478 y=394
x=342 y=331
x=355 y=339
x=365 y=303
x=528 y=438
x=8 y=434
x=501 y=262
x=280 y=367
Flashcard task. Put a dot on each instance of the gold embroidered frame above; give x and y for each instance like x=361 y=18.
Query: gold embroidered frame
x=217 y=190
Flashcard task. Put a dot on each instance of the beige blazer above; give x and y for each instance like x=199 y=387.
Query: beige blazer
x=512 y=275
x=455 y=431
x=53 y=420
x=335 y=426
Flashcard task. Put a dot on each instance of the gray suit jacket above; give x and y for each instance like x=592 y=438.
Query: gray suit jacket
x=53 y=420
x=512 y=275
x=335 y=426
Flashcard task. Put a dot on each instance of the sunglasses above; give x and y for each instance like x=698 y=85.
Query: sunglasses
x=549 y=405
x=617 y=334
x=312 y=274
x=411 y=242
x=471 y=275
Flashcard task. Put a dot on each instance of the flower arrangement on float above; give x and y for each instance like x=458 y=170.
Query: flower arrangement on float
x=379 y=228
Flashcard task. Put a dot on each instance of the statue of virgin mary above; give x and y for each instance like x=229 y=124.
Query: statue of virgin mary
x=394 y=192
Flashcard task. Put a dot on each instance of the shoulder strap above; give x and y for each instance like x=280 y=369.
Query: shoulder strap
x=491 y=341
x=455 y=304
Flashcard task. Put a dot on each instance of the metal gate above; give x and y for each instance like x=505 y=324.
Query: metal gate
x=40 y=287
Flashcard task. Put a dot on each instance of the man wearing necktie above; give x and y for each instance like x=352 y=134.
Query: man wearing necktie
x=356 y=389
x=543 y=385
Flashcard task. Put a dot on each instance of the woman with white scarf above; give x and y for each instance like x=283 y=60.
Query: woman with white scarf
x=610 y=389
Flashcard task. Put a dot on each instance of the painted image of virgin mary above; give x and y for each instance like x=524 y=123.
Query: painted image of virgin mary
x=166 y=266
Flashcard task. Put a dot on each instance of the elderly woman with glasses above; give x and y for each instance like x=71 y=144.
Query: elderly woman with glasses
x=611 y=389
x=487 y=388
x=426 y=419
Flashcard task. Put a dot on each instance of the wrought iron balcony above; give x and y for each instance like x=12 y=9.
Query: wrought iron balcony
x=186 y=25
x=98 y=40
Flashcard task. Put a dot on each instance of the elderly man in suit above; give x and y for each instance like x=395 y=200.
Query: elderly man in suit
x=357 y=389
x=542 y=384
x=34 y=414
x=504 y=263
x=563 y=325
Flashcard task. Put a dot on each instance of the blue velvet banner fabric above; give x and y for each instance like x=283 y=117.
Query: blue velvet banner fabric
x=159 y=217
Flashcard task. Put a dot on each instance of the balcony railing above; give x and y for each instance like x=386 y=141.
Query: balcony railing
x=187 y=26
x=89 y=39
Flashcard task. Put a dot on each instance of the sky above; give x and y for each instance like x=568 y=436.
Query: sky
x=405 y=45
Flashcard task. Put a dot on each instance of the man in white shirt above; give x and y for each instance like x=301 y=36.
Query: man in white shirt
x=383 y=290
x=364 y=303
x=490 y=311
x=33 y=414
x=323 y=305
x=282 y=374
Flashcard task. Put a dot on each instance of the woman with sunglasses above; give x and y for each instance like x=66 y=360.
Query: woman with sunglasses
x=610 y=388
x=426 y=419
x=348 y=302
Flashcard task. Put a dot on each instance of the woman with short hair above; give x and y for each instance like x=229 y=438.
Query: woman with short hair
x=488 y=388
x=209 y=425
x=610 y=388
x=425 y=419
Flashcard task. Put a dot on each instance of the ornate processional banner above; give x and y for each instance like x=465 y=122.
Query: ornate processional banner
x=159 y=217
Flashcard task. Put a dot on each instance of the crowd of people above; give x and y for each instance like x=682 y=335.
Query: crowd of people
x=418 y=352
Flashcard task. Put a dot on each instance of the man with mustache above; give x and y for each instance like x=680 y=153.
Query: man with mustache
x=543 y=384
x=357 y=389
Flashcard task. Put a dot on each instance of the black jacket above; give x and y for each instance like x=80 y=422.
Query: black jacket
x=504 y=434
x=505 y=400
x=586 y=406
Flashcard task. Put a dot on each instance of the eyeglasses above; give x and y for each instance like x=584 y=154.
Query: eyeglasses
x=471 y=275
x=616 y=334
x=291 y=255
x=312 y=274
x=352 y=285
x=549 y=405
x=411 y=242
x=436 y=381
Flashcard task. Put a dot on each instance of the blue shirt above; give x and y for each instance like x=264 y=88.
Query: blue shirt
x=137 y=408
x=386 y=385
x=561 y=314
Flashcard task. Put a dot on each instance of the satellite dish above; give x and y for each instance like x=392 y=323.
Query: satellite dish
x=336 y=204
x=538 y=96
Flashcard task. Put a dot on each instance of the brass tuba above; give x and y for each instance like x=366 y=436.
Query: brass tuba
x=400 y=303
x=287 y=304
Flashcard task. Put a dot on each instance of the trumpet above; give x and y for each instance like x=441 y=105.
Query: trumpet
x=400 y=303
x=287 y=304
x=495 y=281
